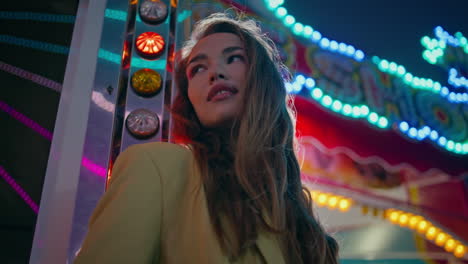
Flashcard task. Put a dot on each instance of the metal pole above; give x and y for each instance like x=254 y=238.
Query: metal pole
x=54 y=222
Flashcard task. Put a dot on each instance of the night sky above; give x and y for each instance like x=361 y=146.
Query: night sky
x=389 y=29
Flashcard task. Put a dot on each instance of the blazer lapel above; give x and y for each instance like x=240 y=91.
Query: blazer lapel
x=270 y=249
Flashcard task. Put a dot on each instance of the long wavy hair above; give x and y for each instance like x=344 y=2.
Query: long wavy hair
x=251 y=175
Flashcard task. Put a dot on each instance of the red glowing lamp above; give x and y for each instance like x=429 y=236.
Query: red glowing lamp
x=150 y=45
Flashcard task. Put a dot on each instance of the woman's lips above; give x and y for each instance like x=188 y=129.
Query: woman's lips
x=226 y=91
x=221 y=96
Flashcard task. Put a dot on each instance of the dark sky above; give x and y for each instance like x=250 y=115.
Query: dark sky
x=388 y=29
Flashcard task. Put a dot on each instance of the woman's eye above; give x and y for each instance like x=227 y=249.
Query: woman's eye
x=234 y=58
x=196 y=70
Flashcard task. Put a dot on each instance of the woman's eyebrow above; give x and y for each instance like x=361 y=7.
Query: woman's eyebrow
x=203 y=56
x=199 y=57
x=231 y=49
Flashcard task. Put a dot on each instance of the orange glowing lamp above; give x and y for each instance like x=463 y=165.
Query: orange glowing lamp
x=150 y=45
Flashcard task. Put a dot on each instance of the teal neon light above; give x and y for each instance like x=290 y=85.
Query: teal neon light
x=102 y=54
x=34 y=44
x=362 y=111
x=37 y=17
x=43 y=17
x=437 y=47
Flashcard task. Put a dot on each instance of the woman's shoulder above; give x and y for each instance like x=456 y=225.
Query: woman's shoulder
x=160 y=148
x=160 y=153
x=173 y=162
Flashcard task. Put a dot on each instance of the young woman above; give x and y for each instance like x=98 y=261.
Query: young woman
x=233 y=194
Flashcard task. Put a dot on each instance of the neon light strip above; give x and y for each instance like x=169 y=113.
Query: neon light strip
x=363 y=111
x=30 y=76
x=19 y=190
x=94 y=168
x=443 y=35
x=37 y=17
x=275 y=6
x=394 y=69
x=457 y=81
x=430 y=231
x=34 y=44
x=103 y=54
x=109 y=13
x=46 y=134
x=308 y=32
x=97 y=97
x=25 y=120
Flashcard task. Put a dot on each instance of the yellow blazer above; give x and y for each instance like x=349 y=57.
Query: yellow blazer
x=155 y=211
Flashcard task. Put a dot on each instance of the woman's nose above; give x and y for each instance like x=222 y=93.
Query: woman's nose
x=217 y=76
x=217 y=73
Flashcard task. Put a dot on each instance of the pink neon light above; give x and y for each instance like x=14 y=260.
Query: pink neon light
x=94 y=168
x=25 y=120
x=19 y=190
x=45 y=133
x=30 y=76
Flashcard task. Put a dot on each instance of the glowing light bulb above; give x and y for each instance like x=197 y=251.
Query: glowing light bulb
x=300 y=79
x=324 y=43
x=431 y=232
x=327 y=100
x=310 y=83
x=289 y=20
x=442 y=141
x=394 y=216
x=150 y=44
x=414 y=221
x=308 y=30
x=408 y=77
x=333 y=202
x=337 y=105
x=298 y=28
x=403 y=219
x=281 y=12
x=359 y=55
x=344 y=205
x=347 y=109
x=413 y=132
x=356 y=111
x=459 y=251
x=404 y=126
x=342 y=47
x=441 y=238
x=364 y=110
x=350 y=50
x=316 y=36
x=401 y=70
x=450 y=245
x=373 y=117
x=384 y=64
x=422 y=226
x=322 y=199
x=317 y=93
x=383 y=122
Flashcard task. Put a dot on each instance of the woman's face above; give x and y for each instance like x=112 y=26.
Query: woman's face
x=216 y=73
